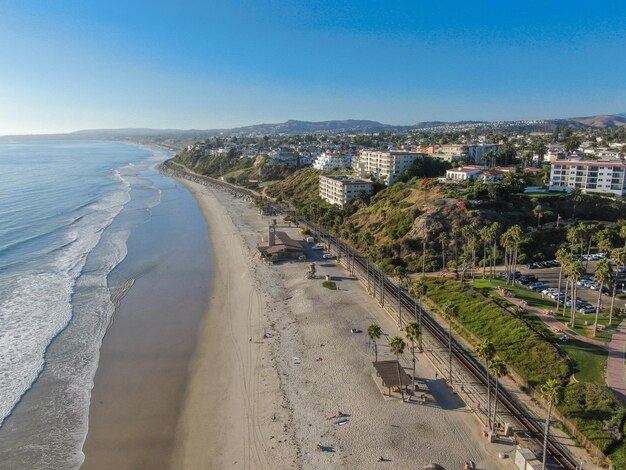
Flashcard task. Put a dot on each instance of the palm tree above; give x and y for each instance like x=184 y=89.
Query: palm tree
x=374 y=332
x=498 y=369
x=485 y=236
x=487 y=351
x=449 y=311
x=619 y=256
x=412 y=331
x=419 y=289
x=552 y=392
x=561 y=257
x=577 y=271
x=442 y=239
x=622 y=232
x=495 y=228
x=603 y=277
x=516 y=235
x=573 y=235
x=577 y=197
x=587 y=232
x=397 y=347
x=507 y=242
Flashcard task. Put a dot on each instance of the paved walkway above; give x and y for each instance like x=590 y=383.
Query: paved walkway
x=556 y=325
x=615 y=369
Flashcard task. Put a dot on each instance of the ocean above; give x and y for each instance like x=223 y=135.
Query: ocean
x=67 y=211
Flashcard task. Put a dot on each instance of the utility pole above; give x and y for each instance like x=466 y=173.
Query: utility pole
x=399 y=302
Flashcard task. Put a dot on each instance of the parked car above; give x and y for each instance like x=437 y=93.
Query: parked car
x=557 y=296
x=586 y=309
x=537 y=286
x=527 y=279
x=328 y=256
x=549 y=291
x=317 y=247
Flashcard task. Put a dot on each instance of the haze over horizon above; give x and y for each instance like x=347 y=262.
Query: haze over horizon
x=74 y=65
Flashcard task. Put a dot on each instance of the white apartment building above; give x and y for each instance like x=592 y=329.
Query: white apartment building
x=330 y=161
x=388 y=165
x=601 y=176
x=470 y=153
x=464 y=173
x=342 y=190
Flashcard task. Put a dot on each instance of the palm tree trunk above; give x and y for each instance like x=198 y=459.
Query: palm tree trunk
x=493 y=258
x=558 y=299
x=495 y=406
x=450 y=351
x=545 y=437
x=488 y=395
x=573 y=310
x=473 y=261
x=419 y=326
x=376 y=350
x=413 y=378
x=595 y=323
x=567 y=280
x=484 y=258
x=443 y=256
x=399 y=377
x=612 y=302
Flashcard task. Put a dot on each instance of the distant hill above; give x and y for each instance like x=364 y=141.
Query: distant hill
x=433 y=124
x=309 y=127
x=613 y=121
x=179 y=137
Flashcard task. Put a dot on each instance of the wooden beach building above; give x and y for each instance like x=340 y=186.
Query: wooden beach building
x=280 y=247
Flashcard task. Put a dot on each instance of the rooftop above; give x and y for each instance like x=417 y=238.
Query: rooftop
x=346 y=179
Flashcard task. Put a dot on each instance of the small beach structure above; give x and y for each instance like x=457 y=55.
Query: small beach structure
x=278 y=246
x=388 y=373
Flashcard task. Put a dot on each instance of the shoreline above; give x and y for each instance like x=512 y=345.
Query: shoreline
x=234 y=401
x=142 y=368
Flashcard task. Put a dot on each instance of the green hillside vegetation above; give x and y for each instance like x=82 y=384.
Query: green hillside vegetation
x=392 y=226
x=300 y=189
x=234 y=168
x=588 y=403
x=533 y=357
x=599 y=416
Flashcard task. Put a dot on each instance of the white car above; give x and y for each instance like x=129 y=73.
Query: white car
x=317 y=247
x=328 y=256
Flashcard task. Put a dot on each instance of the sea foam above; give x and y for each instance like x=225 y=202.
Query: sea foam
x=36 y=305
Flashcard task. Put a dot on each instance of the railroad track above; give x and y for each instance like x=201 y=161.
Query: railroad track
x=359 y=264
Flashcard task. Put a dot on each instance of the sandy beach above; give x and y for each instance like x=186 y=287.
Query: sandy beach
x=248 y=404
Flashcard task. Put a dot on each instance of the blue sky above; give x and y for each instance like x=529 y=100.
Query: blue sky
x=69 y=65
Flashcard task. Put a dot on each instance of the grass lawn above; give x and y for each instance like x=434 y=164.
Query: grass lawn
x=330 y=285
x=523 y=346
x=589 y=361
x=583 y=330
x=542 y=195
x=534 y=299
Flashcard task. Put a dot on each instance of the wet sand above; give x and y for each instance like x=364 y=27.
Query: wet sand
x=143 y=369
